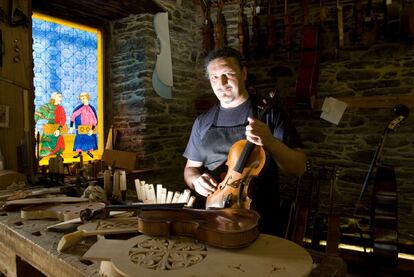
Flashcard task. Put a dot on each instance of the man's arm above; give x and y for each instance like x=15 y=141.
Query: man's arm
x=194 y=177
x=292 y=161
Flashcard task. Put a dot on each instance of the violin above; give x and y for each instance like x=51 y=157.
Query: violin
x=271 y=39
x=287 y=38
x=246 y=161
x=207 y=29
x=370 y=26
x=255 y=38
x=224 y=228
x=384 y=209
x=243 y=31
x=220 y=28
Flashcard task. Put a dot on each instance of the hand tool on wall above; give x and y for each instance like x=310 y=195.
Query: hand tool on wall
x=1 y=49
x=16 y=16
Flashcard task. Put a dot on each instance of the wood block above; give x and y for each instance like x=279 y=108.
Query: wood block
x=121 y=159
x=7 y=177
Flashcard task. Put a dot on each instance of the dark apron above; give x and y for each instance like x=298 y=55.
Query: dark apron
x=217 y=141
x=214 y=148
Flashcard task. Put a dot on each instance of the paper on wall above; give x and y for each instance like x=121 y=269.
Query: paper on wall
x=333 y=109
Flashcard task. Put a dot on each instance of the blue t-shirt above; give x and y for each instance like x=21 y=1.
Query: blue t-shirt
x=277 y=120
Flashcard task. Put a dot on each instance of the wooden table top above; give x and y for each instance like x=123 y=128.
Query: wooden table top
x=178 y=256
x=30 y=240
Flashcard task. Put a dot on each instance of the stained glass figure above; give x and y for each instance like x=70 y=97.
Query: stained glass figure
x=85 y=119
x=52 y=142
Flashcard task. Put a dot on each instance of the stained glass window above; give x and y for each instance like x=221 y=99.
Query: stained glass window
x=68 y=89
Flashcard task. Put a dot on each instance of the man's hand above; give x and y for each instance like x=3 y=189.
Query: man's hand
x=258 y=132
x=90 y=132
x=56 y=133
x=205 y=184
x=290 y=160
x=71 y=130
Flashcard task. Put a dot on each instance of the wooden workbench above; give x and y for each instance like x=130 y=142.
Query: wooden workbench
x=27 y=249
x=26 y=243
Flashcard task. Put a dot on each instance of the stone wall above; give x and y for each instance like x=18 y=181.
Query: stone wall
x=154 y=127
x=158 y=128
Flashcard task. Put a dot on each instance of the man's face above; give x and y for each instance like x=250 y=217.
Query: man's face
x=84 y=99
x=58 y=99
x=227 y=80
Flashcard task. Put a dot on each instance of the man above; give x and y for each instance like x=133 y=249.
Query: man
x=85 y=119
x=215 y=131
x=52 y=142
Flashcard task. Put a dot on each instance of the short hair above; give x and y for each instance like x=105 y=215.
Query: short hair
x=224 y=52
x=84 y=94
x=53 y=97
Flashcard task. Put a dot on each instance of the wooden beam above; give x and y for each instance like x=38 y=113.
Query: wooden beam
x=366 y=102
x=373 y=101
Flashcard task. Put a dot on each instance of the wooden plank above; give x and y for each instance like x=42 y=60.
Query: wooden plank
x=39 y=201
x=366 y=102
x=373 y=101
x=61 y=212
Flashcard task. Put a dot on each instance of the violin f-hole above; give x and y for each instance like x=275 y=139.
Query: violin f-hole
x=224 y=184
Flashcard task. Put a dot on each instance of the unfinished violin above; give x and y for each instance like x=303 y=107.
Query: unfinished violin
x=255 y=42
x=220 y=33
x=207 y=29
x=224 y=228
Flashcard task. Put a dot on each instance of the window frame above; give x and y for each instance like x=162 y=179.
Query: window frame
x=100 y=82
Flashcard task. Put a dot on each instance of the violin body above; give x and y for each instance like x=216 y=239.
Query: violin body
x=271 y=42
x=287 y=36
x=308 y=71
x=243 y=34
x=371 y=26
x=255 y=38
x=384 y=205
x=240 y=33
x=224 y=228
x=245 y=162
x=208 y=32
x=385 y=216
x=220 y=32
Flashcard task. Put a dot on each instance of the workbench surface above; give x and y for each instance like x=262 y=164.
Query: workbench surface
x=30 y=242
x=27 y=242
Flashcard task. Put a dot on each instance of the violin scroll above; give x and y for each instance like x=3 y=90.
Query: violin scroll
x=402 y=112
x=401 y=109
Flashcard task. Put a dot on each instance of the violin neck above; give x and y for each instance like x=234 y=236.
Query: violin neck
x=244 y=156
